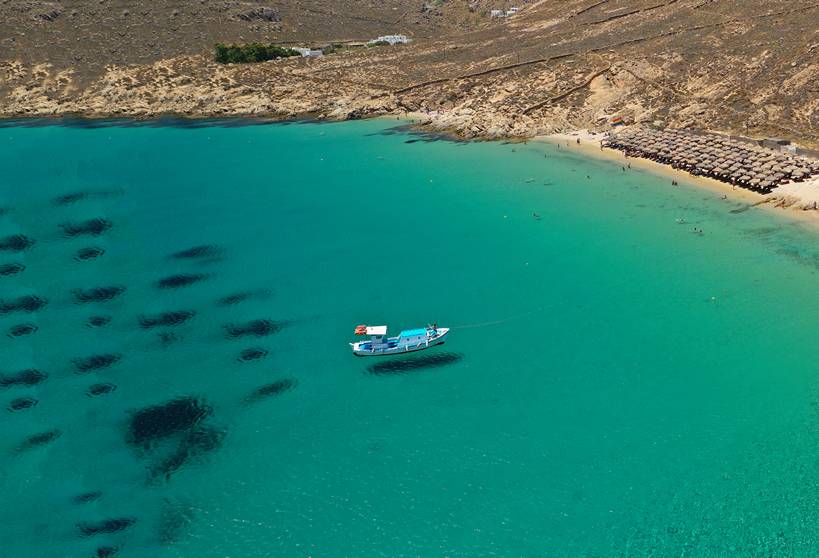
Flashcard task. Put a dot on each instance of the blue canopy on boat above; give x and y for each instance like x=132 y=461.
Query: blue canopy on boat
x=413 y=332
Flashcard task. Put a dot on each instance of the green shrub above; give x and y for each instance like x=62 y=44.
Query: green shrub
x=378 y=43
x=251 y=52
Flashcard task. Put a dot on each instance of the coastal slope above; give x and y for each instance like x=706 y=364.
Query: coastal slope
x=748 y=67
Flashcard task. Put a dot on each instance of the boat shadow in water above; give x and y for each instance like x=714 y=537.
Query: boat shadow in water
x=410 y=364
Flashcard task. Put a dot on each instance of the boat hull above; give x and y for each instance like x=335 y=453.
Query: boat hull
x=440 y=339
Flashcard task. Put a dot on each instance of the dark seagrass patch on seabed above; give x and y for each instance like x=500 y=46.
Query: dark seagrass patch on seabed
x=91 y=227
x=257 y=328
x=203 y=252
x=95 y=390
x=180 y=280
x=98 y=321
x=198 y=441
x=106 y=552
x=21 y=403
x=392 y=366
x=29 y=377
x=15 y=243
x=239 y=297
x=39 y=439
x=251 y=354
x=97 y=294
x=27 y=303
x=271 y=390
x=157 y=422
x=166 y=319
x=12 y=268
x=174 y=521
x=87 y=497
x=89 y=253
x=21 y=330
x=104 y=527
x=96 y=362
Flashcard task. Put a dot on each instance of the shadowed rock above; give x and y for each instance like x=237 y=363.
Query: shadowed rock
x=21 y=330
x=40 y=439
x=28 y=377
x=98 y=321
x=107 y=526
x=96 y=362
x=91 y=227
x=160 y=421
x=87 y=497
x=15 y=243
x=99 y=294
x=258 y=328
x=22 y=403
x=410 y=364
x=206 y=251
x=166 y=319
x=95 y=390
x=271 y=390
x=27 y=303
x=11 y=269
x=253 y=353
x=178 y=281
x=84 y=254
x=198 y=441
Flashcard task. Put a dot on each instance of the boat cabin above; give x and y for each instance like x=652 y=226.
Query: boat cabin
x=412 y=337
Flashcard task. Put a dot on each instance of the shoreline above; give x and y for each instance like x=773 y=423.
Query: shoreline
x=783 y=202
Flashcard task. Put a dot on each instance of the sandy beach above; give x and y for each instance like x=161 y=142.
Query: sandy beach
x=794 y=199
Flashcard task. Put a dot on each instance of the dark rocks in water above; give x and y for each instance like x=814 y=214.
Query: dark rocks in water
x=98 y=321
x=404 y=365
x=254 y=353
x=178 y=281
x=166 y=319
x=28 y=377
x=160 y=421
x=21 y=330
x=198 y=441
x=98 y=294
x=27 y=303
x=22 y=403
x=95 y=390
x=40 y=439
x=11 y=269
x=96 y=362
x=89 y=253
x=258 y=328
x=91 y=227
x=106 y=552
x=271 y=390
x=198 y=252
x=15 y=243
x=105 y=527
x=87 y=497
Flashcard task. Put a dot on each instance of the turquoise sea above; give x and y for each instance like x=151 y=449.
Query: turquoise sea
x=175 y=380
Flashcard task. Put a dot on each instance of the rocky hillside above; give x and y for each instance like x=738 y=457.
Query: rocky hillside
x=751 y=67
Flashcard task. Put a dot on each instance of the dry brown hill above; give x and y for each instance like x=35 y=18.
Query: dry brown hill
x=748 y=66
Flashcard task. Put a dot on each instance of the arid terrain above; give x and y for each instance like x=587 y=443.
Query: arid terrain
x=749 y=67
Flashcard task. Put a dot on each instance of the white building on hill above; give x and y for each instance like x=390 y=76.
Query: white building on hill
x=392 y=39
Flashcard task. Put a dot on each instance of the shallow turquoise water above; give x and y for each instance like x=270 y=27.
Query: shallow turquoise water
x=614 y=385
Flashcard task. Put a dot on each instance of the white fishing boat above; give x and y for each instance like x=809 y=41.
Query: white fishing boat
x=407 y=341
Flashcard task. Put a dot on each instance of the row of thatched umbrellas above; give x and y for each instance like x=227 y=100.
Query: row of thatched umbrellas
x=745 y=165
